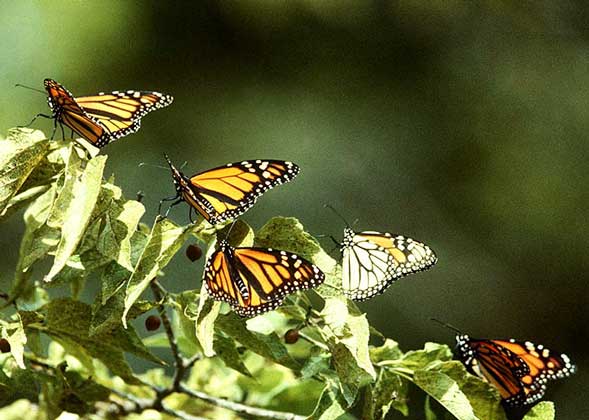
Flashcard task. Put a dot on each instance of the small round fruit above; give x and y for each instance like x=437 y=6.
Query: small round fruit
x=4 y=345
x=152 y=323
x=193 y=252
x=291 y=336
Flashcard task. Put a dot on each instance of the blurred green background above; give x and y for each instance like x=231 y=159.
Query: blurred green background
x=462 y=125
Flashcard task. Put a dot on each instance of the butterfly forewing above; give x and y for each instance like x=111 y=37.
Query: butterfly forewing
x=232 y=189
x=518 y=369
x=256 y=280
x=103 y=118
x=226 y=192
x=372 y=261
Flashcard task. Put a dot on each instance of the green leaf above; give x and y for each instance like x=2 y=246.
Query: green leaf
x=432 y=352
x=121 y=222
x=226 y=349
x=20 y=153
x=206 y=315
x=68 y=322
x=288 y=234
x=68 y=391
x=107 y=317
x=269 y=346
x=446 y=391
x=77 y=201
x=184 y=316
x=542 y=411
x=389 y=350
x=22 y=199
x=315 y=365
x=389 y=390
x=163 y=242
x=15 y=411
x=22 y=383
x=15 y=335
x=346 y=333
x=37 y=241
x=114 y=276
x=484 y=398
x=329 y=406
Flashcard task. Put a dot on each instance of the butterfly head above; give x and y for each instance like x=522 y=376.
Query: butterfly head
x=348 y=237
x=177 y=176
x=50 y=83
x=463 y=345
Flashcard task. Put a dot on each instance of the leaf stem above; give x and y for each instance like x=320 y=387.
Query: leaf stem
x=313 y=341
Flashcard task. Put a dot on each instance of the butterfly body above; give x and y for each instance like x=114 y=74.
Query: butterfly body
x=105 y=117
x=372 y=261
x=226 y=192
x=256 y=280
x=520 y=370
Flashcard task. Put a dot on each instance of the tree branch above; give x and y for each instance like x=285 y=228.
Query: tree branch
x=240 y=408
x=182 y=365
x=159 y=293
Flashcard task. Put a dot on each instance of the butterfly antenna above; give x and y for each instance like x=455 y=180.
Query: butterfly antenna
x=31 y=88
x=445 y=324
x=329 y=206
x=230 y=229
x=169 y=161
x=152 y=165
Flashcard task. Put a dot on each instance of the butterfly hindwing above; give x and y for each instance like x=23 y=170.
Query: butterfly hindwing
x=103 y=118
x=226 y=192
x=256 y=280
x=372 y=261
x=518 y=369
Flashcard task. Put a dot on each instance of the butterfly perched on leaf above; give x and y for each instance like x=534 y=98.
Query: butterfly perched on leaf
x=256 y=280
x=105 y=117
x=520 y=370
x=372 y=261
x=226 y=192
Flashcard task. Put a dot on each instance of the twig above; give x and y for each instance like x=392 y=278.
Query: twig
x=181 y=364
x=240 y=408
x=180 y=414
x=158 y=293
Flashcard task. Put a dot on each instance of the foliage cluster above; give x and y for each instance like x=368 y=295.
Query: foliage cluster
x=67 y=355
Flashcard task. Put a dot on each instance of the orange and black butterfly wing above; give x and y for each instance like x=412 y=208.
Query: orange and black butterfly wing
x=226 y=192
x=256 y=280
x=542 y=365
x=66 y=110
x=221 y=280
x=518 y=369
x=500 y=367
x=103 y=118
x=120 y=113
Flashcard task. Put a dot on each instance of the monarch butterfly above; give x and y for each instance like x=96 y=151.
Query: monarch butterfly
x=372 y=261
x=225 y=192
x=256 y=280
x=101 y=118
x=518 y=369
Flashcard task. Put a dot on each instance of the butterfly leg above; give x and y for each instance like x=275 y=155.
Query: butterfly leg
x=159 y=209
x=34 y=118
x=62 y=131
x=54 y=128
x=190 y=212
x=172 y=205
